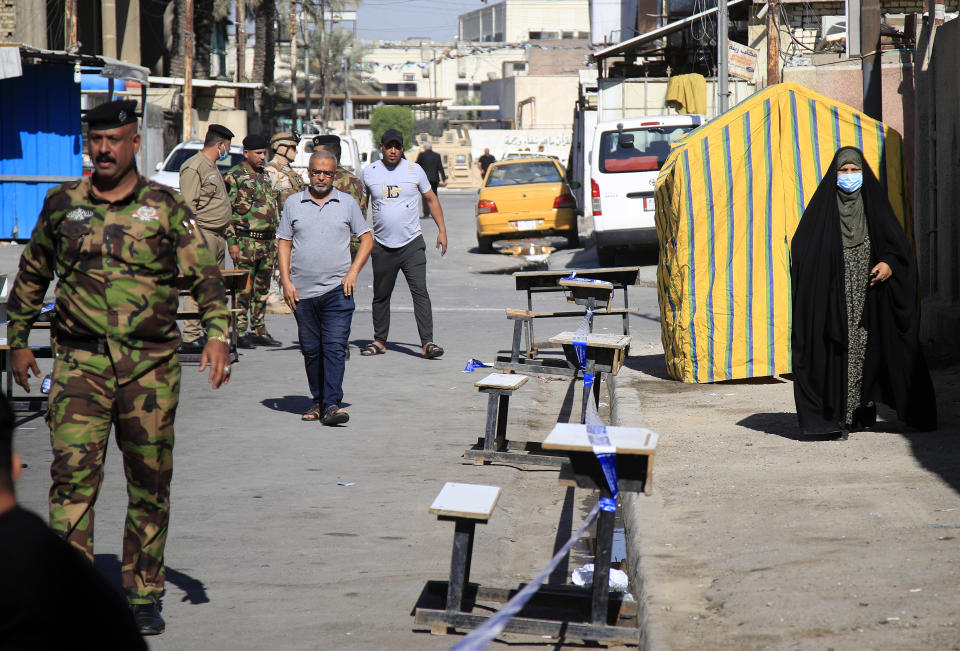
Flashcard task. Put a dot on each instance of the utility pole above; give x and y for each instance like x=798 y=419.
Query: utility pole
x=347 y=103
x=241 y=36
x=293 y=64
x=188 y=45
x=870 y=61
x=308 y=112
x=323 y=66
x=723 y=57
x=70 y=24
x=773 y=43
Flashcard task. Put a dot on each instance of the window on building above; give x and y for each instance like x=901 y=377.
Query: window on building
x=543 y=36
x=394 y=89
x=409 y=76
x=583 y=34
x=466 y=93
x=520 y=66
x=566 y=35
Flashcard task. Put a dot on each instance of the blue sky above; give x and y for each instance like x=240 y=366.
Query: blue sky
x=395 y=20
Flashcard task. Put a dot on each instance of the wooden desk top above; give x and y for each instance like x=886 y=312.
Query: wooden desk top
x=232 y=279
x=586 y=283
x=598 y=340
x=502 y=381
x=627 y=440
x=472 y=501
x=549 y=279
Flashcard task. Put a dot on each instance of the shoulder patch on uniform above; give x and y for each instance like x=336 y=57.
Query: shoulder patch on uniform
x=79 y=214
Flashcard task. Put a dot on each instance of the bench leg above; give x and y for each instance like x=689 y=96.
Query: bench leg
x=491 y=430
x=517 y=334
x=601 y=562
x=504 y=408
x=460 y=563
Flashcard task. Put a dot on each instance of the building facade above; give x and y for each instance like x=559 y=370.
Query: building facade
x=518 y=21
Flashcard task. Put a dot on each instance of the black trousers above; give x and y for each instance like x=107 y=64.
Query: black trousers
x=411 y=259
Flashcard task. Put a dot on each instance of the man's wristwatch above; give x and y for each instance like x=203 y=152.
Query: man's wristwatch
x=221 y=338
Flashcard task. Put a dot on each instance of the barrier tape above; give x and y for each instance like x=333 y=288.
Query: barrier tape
x=606 y=455
x=484 y=634
x=596 y=430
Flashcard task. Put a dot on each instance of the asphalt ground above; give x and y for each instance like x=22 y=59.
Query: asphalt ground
x=290 y=535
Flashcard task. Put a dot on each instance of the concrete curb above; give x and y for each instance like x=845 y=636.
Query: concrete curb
x=625 y=406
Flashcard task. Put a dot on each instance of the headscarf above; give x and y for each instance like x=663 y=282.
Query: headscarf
x=853 y=224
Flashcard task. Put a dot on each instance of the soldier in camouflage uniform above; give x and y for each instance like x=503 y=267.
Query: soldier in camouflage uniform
x=117 y=243
x=344 y=180
x=251 y=239
x=284 y=180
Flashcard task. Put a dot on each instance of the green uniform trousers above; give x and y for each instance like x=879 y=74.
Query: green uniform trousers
x=258 y=258
x=85 y=399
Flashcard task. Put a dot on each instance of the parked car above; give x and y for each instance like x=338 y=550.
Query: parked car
x=349 y=156
x=168 y=172
x=525 y=197
x=624 y=163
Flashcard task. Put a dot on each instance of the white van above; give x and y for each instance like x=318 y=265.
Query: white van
x=349 y=156
x=624 y=162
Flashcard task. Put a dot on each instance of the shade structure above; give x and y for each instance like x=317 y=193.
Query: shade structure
x=729 y=199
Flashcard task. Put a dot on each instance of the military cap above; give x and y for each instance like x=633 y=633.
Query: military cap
x=220 y=130
x=391 y=135
x=284 y=138
x=255 y=141
x=112 y=114
x=328 y=139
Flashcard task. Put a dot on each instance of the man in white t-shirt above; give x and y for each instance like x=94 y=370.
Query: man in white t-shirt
x=396 y=186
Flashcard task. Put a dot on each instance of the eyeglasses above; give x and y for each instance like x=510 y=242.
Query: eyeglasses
x=320 y=173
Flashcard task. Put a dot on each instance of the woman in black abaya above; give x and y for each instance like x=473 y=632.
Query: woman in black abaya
x=855 y=319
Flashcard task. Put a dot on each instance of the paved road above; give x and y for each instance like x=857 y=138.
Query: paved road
x=267 y=547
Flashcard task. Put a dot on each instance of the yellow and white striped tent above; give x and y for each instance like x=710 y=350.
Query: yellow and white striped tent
x=729 y=199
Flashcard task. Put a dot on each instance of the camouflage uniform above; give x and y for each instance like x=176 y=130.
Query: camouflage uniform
x=284 y=181
x=254 y=229
x=115 y=340
x=352 y=185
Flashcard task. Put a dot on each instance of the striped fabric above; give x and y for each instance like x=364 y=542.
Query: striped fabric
x=729 y=198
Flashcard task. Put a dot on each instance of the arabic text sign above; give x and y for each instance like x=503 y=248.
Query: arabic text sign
x=742 y=61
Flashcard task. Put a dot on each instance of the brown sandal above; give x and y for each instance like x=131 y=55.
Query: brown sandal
x=313 y=413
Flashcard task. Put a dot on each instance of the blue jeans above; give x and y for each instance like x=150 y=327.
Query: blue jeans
x=323 y=324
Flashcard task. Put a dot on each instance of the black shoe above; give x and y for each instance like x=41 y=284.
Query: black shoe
x=265 y=340
x=190 y=348
x=148 y=619
x=245 y=341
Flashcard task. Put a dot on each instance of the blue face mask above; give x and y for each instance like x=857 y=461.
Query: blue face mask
x=223 y=156
x=850 y=182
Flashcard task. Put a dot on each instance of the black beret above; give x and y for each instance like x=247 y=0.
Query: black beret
x=328 y=139
x=255 y=141
x=112 y=114
x=220 y=130
x=391 y=135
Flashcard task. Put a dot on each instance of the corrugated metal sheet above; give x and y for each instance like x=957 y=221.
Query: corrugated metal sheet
x=729 y=199
x=39 y=135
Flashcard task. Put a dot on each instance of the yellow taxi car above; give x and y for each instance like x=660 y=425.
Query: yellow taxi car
x=525 y=197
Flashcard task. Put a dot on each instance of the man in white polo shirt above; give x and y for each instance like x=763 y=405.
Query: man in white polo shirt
x=395 y=186
x=319 y=279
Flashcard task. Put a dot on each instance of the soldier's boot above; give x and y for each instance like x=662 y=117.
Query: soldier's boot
x=265 y=339
x=246 y=341
x=148 y=618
